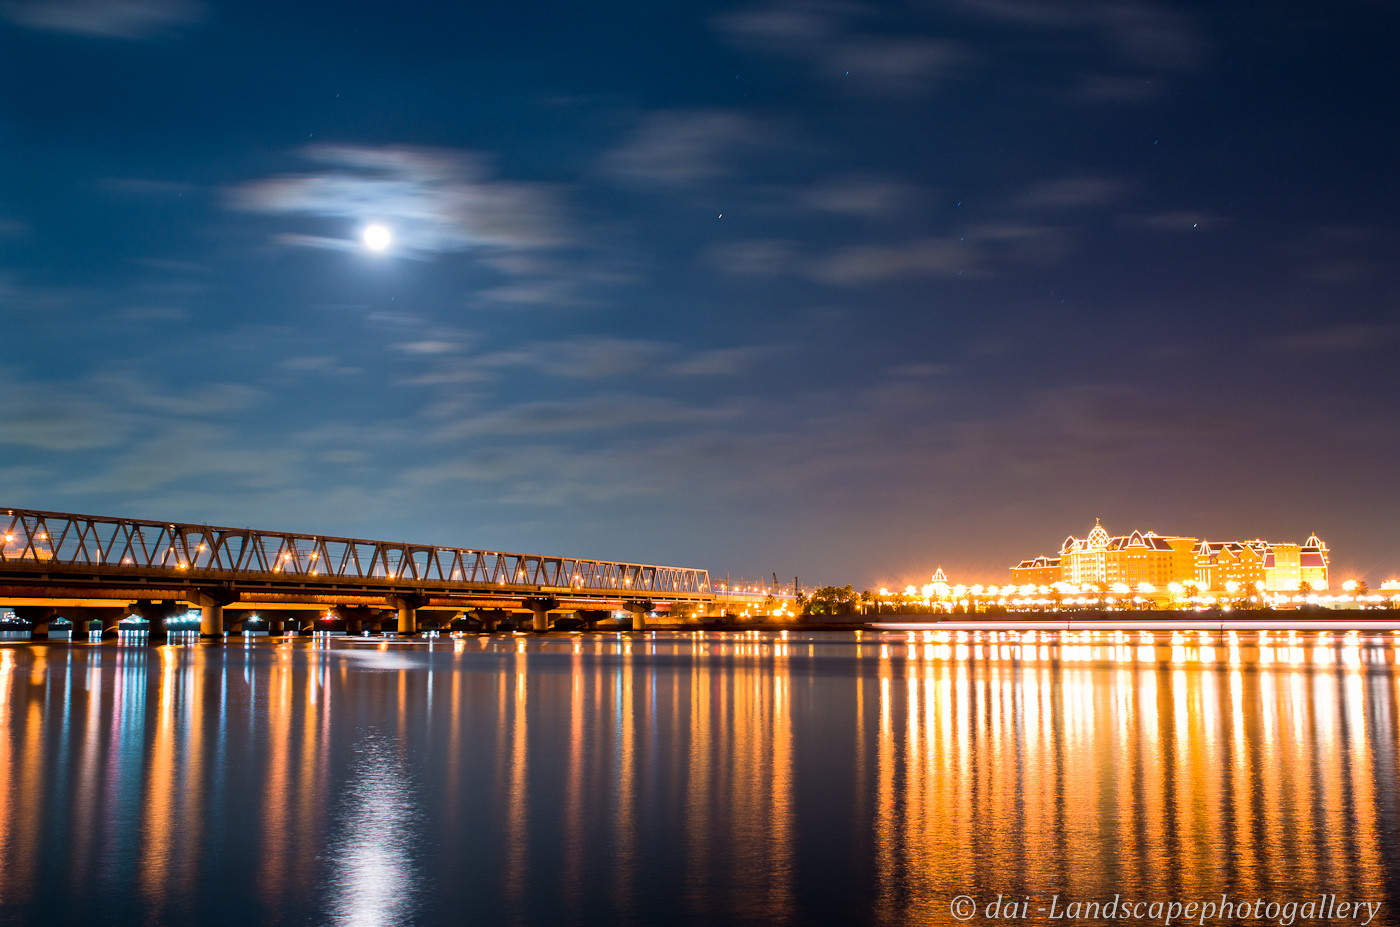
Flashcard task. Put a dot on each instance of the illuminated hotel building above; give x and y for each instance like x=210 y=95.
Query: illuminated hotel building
x=1272 y=567
x=1157 y=561
x=1100 y=560
x=1042 y=571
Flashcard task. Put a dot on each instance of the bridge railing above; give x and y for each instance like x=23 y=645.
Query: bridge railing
x=62 y=539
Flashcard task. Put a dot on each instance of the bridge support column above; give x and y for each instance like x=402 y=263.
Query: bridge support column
x=211 y=621
x=39 y=616
x=211 y=604
x=591 y=616
x=639 y=613
x=541 y=607
x=354 y=618
x=155 y=612
x=407 y=606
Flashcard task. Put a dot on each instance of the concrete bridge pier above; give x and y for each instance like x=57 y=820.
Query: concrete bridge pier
x=356 y=617
x=296 y=621
x=541 y=607
x=211 y=620
x=109 y=618
x=490 y=618
x=407 y=606
x=211 y=603
x=155 y=612
x=351 y=616
x=639 y=613
x=77 y=616
x=84 y=616
x=591 y=616
x=39 y=616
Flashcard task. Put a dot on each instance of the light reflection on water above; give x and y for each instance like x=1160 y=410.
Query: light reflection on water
x=690 y=778
x=373 y=875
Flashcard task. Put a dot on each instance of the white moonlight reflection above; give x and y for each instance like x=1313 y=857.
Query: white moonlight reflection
x=377 y=237
x=374 y=864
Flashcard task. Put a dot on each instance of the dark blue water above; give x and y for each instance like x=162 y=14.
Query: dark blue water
x=691 y=779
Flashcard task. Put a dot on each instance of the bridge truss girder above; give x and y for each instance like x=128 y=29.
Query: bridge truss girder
x=115 y=547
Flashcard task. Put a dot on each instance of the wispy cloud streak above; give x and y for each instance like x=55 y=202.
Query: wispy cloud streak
x=108 y=19
x=435 y=201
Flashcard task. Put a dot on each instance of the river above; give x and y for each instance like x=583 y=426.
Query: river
x=698 y=779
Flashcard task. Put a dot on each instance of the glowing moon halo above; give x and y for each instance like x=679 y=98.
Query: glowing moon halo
x=376 y=237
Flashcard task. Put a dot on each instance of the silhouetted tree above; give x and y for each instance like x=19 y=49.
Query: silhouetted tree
x=833 y=600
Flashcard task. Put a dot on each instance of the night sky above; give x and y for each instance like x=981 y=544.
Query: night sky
x=823 y=289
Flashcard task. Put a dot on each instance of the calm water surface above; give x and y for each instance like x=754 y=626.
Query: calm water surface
x=690 y=779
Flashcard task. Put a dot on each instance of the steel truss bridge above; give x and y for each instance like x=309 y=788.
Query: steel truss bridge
x=60 y=559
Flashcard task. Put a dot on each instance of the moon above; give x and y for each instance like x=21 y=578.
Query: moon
x=376 y=237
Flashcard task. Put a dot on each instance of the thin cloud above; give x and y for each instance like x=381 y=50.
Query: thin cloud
x=319 y=364
x=108 y=19
x=565 y=290
x=756 y=258
x=429 y=347
x=929 y=257
x=183 y=452
x=58 y=419
x=921 y=371
x=681 y=148
x=1096 y=88
x=434 y=201
x=592 y=414
x=1340 y=339
x=1142 y=34
x=823 y=35
x=592 y=357
x=142 y=187
x=1342 y=254
x=585 y=358
x=723 y=361
x=977 y=251
x=212 y=400
x=104 y=411
x=153 y=314
x=860 y=197
x=1071 y=193
x=1182 y=220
